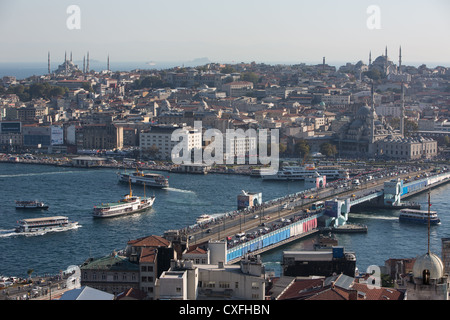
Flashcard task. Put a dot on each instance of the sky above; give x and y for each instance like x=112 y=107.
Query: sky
x=291 y=31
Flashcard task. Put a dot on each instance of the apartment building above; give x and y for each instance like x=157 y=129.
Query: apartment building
x=158 y=140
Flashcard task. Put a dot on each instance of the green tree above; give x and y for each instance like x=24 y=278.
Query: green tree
x=250 y=76
x=302 y=148
x=328 y=149
x=227 y=70
x=29 y=272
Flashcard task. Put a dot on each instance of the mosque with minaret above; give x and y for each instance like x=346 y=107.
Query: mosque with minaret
x=68 y=67
x=370 y=135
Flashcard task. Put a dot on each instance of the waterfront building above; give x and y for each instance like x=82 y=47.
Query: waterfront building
x=188 y=281
x=137 y=267
x=157 y=140
x=319 y=263
x=101 y=136
x=112 y=274
x=153 y=255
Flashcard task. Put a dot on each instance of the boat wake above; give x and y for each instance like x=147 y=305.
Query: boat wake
x=179 y=190
x=33 y=174
x=371 y=216
x=12 y=233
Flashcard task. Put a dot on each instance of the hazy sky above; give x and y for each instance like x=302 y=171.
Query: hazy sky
x=225 y=31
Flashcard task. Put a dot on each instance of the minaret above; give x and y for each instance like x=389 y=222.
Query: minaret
x=87 y=64
x=323 y=64
x=385 y=53
x=372 y=113
x=49 y=62
x=70 y=56
x=65 y=61
x=84 y=64
x=402 y=113
x=400 y=60
x=107 y=67
x=370 y=58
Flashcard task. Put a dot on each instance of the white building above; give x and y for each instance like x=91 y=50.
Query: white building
x=159 y=139
x=237 y=88
x=336 y=99
x=202 y=274
x=186 y=281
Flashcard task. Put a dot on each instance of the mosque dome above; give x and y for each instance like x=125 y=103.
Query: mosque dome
x=430 y=262
x=363 y=111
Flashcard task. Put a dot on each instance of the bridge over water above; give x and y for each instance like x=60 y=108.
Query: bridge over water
x=283 y=220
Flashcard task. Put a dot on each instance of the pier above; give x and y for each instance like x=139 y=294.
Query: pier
x=280 y=221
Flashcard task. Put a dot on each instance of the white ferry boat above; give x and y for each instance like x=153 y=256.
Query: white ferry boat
x=148 y=179
x=203 y=218
x=31 y=204
x=127 y=205
x=46 y=224
x=420 y=216
x=302 y=172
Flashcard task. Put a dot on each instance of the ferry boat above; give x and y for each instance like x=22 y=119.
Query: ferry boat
x=149 y=179
x=303 y=172
x=203 y=218
x=46 y=224
x=31 y=204
x=127 y=205
x=420 y=216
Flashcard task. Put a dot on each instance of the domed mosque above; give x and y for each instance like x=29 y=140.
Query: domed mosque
x=428 y=280
x=359 y=137
x=369 y=135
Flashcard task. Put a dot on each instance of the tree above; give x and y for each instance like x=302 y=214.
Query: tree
x=302 y=148
x=227 y=70
x=29 y=272
x=328 y=149
x=251 y=77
